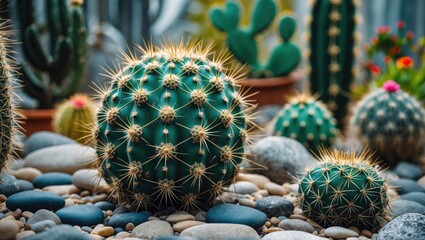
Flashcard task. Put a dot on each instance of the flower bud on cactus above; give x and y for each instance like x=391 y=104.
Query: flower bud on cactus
x=172 y=128
x=344 y=190
x=74 y=117
x=392 y=123
x=307 y=121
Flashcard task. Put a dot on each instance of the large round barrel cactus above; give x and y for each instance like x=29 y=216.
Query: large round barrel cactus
x=171 y=128
x=346 y=190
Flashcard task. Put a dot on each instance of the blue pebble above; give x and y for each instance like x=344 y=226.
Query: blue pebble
x=35 y=200
x=408 y=170
x=403 y=186
x=281 y=218
x=230 y=213
x=24 y=185
x=105 y=206
x=81 y=215
x=63 y=232
x=8 y=184
x=120 y=220
x=118 y=229
x=418 y=197
x=52 y=178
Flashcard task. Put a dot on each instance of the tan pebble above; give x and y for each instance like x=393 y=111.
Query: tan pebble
x=268 y=224
x=79 y=201
x=352 y=238
x=298 y=216
x=84 y=193
x=8 y=217
x=264 y=229
x=179 y=217
x=263 y=192
x=257 y=179
x=123 y=234
x=98 y=198
x=180 y=226
x=27 y=173
x=286 y=188
x=27 y=214
x=105 y=231
x=8 y=230
x=274 y=189
x=294 y=187
x=354 y=229
x=388 y=218
x=69 y=202
x=109 y=213
x=274 y=229
x=275 y=221
x=14 y=214
x=3 y=209
x=313 y=223
x=257 y=196
x=315 y=233
x=74 y=196
x=366 y=233
x=62 y=189
x=129 y=226
x=20 y=224
x=322 y=235
x=24 y=234
x=3 y=198
x=98 y=226
x=96 y=237
x=246 y=202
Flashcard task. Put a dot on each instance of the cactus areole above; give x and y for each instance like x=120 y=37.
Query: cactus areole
x=172 y=127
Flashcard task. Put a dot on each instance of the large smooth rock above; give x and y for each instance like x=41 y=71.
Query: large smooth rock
x=400 y=207
x=296 y=224
x=340 y=233
x=283 y=157
x=52 y=179
x=408 y=170
x=34 y=200
x=274 y=206
x=231 y=213
x=8 y=230
x=63 y=232
x=122 y=219
x=42 y=215
x=152 y=229
x=8 y=184
x=28 y=174
x=409 y=226
x=291 y=235
x=64 y=158
x=89 y=179
x=81 y=215
x=221 y=231
x=44 y=139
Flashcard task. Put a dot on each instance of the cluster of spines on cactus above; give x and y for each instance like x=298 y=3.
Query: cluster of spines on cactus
x=172 y=127
x=9 y=117
x=74 y=118
x=306 y=120
x=345 y=189
x=392 y=123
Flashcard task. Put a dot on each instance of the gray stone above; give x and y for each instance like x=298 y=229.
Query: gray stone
x=44 y=139
x=408 y=170
x=418 y=197
x=291 y=235
x=409 y=226
x=64 y=158
x=89 y=179
x=340 y=232
x=42 y=215
x=400 y=207
x=283 y=157
x=275 y=206
x=266 y=114
x=219 y=231
x=24 y=185
x=152 y=229
x=297 y=225
x=243 y=187
x=42 y=225
x=404 y=185
x=60 y=232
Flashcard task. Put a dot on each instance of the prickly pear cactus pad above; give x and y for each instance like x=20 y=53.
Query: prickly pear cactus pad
x=345 y=189
x=172 y=127
x=306 y=120
x=392 y=123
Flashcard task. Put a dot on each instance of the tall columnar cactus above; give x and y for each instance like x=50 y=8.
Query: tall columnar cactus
x=172 y=128
x=344 y=190
x=8 y=116
x=332 y=51
x=242 y=42
x=392 y=123
x=74 y=117
x=307 y=121
x=64 y=62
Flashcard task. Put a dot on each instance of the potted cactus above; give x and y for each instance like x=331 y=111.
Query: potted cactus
x=274 y=77
x=52 y=74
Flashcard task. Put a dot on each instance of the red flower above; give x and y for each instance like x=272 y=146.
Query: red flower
x=401 y=24
x=404 y=63
x=409 y=35
x=374 y=40
x=387 y=59
x=374 y=69
x=383 y=29
x=397 y=50
x=393 y=38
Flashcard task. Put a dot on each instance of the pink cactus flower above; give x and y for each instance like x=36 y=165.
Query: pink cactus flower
x=391 y=86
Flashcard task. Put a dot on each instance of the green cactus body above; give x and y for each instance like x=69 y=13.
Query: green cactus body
x=64 y=62
x=8 y=115
x=392 y=123
x=171 y=128
x=242 y=43
x=74 y=117
x=307 y=121
x=332 y=51
x=344 y=190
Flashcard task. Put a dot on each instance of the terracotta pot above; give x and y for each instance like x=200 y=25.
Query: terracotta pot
x=36 y=120
x=271 y=90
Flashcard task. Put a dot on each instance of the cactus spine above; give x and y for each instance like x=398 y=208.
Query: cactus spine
x=172 y=127
x=283 y=59
x=64 y=62
x=307 y=121
x=332 y=50
x=74 y=117
x=392 y=123
x=344 y=190
x=8 y=115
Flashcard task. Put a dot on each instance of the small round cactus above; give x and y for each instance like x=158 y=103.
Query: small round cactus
x=172 y=127
x=74 y=117
x=306 y=120
x=344 y=189
x=392 y=123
